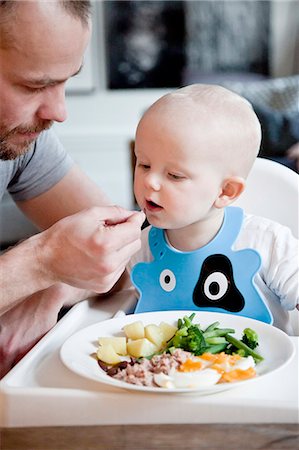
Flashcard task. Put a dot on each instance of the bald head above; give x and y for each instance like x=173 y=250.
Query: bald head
x=222 y=123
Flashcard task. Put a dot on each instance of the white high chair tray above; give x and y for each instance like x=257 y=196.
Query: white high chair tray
x=41 y=391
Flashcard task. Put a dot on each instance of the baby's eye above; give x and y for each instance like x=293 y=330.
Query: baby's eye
x=176 y=177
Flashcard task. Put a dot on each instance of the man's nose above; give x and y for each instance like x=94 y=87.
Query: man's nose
x=53 y=105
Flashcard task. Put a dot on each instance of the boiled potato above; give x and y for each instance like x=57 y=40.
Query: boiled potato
x=134 y=330
x=141 y=347
x=154 y=334
x=168 y=331
x=118 y=343
x=108 y=355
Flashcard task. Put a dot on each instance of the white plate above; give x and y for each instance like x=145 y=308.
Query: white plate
x=275 y=346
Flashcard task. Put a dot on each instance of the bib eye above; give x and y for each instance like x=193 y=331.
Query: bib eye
x=167 y=280
x=215 y=286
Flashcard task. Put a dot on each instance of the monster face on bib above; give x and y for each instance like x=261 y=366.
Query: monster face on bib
x=216 y=285
x=212 y=278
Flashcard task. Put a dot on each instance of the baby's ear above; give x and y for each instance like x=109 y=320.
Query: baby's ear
x=231 y=189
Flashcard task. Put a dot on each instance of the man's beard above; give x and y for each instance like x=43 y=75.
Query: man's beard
x=9 y=150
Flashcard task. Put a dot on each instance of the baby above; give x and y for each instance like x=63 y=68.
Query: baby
x=194 y=150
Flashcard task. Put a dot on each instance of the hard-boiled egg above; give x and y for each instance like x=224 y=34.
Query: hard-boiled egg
x=197 y=379
x=207 y=370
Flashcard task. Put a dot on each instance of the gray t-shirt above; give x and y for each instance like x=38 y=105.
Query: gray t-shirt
x=37 y=171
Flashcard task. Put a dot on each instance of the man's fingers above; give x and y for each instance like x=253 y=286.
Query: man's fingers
x=122 y=257
x=121 y=234
x=113 y=215
x=135 y=217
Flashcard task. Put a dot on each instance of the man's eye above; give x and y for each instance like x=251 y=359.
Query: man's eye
x=35 y=89
x=144 y=166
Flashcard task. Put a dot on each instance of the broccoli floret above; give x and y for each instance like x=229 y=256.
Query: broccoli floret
x=189 y=337
x=195 y=342
x=250 y=338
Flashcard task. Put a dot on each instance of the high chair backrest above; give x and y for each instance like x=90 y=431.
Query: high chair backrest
x=272 y=191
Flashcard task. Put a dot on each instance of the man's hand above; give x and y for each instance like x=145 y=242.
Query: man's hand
x=90 y=249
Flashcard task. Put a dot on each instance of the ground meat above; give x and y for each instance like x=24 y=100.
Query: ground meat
x=142 y=373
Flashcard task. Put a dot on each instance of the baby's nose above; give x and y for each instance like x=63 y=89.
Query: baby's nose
x=153 y=182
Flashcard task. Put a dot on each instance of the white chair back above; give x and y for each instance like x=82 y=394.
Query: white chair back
x=272 y=191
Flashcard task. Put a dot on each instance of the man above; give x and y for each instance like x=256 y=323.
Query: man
x=86 y=243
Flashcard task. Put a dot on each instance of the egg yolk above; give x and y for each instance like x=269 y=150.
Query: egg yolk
x=237 y=375
x=190 y=365
x=220 y=358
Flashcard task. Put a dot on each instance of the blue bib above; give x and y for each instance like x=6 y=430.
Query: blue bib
x=212 y=278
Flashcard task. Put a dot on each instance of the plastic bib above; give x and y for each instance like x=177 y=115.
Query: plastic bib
x=212 y=278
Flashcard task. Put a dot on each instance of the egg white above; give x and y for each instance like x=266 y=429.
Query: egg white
x=199 y=378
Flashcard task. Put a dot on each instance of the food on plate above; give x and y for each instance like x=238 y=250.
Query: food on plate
x=139 y=341
x=167 y=330
x=154 y=334
x=118 y=343
x=108 y=354
x=182 y=356
x=141 y=347
x=134 y=330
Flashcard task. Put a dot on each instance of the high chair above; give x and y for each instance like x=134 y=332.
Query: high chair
x=272 y=191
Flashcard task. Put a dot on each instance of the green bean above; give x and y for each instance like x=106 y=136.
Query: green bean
x=212 y=327
x=218 y=332
x=241 y=345
x=216 y=340
x=215 y=348
x=188 y=320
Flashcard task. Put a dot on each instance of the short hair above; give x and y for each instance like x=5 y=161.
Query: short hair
x=79 y=9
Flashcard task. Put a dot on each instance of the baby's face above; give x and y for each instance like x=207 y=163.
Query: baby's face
x=175 y=183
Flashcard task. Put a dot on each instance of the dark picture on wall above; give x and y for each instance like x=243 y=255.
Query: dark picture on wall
x=145 y=43
x=154 y=44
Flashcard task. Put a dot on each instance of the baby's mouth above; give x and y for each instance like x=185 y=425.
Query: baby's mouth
x=152 y=206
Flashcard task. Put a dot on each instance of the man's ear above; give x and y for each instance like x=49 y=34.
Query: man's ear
x=231 y=189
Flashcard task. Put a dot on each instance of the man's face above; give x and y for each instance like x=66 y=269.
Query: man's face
x=46 y=49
